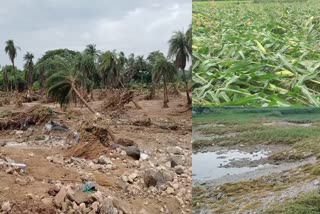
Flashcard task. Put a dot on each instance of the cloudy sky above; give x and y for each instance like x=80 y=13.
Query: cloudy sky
x=133 y=26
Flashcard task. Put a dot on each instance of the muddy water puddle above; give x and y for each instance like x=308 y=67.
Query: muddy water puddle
x=214 y=165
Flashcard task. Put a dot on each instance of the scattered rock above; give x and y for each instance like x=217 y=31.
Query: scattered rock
x=57 y=159
x=81 y=197
x=170 y=190
x=104 y=160
x=107 y=206
x=175 y=150
x=125 y=142
x=59 y=198
x=179 y=170
x=22 y=181
x=6 y=207
x=95 y=206
x=124 y=178
x=132 y=177
x=152 y=178
x=53 y=191
x=133 y=152
x=122 y=205
x=219 y=196
x=47 y=201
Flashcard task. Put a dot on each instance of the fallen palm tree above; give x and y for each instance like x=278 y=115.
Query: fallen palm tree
x=62 y=88
x=118 y=99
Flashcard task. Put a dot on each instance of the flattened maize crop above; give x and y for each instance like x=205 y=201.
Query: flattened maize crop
x=256 y=54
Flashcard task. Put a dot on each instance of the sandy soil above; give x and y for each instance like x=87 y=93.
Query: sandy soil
x=154 y=140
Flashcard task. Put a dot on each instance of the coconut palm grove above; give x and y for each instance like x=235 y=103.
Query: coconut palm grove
x=66 y=74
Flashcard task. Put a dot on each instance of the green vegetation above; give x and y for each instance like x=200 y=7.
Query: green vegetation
x=230 y=115
x=256 y=54
x=297 y=128
x=70 y=75
x=305 y=204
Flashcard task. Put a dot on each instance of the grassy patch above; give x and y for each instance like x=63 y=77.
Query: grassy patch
x=246 y=126
x=305 y=204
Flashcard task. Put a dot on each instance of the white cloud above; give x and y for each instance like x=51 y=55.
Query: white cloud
x=139 y=26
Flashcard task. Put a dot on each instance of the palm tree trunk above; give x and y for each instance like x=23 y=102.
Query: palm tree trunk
x=93 y=111
x=82 y=100
x=5 y=81
x=31 y=78
x=91 y=92
x=14 y=76
x=165 y=94
x=153 y=91
x=186 y=82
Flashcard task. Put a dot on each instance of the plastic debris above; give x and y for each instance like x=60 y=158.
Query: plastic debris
x=89 y=186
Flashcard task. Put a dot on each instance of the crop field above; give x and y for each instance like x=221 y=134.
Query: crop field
x=256 y=53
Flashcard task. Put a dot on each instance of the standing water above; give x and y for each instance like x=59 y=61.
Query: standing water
x=210 y=165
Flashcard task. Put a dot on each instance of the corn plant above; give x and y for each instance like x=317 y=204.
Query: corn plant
x=256 y=54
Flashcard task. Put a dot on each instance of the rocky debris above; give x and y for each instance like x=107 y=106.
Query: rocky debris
x=81 y=197
x=22 y=181
x=132 y=151
x=5 y=206
x=60 y=197
x=153 y=178
x=22 y=120
x=175 y=150
x=47 y=201
x=179 y=170
x=11 y=167
x=219 y=196
x=54 y=126
x=69 y=199
x=104 y=160
x=53 y=191
x=58 y=158
x=107 y=206
x=123 y=206
x=146 y=122
x=132 y=177
x=176 y=160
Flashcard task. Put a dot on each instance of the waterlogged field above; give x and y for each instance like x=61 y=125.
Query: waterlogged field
x=256 y=54
x=262 y=160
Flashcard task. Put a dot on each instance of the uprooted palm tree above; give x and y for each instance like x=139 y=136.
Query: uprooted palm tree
x=11 y=50
x=180 y=51
x=28 y=57
x=163 y=69
x=62 y=87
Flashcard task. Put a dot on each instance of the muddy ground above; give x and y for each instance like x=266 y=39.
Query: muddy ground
x=78 y=168
x=288 y=168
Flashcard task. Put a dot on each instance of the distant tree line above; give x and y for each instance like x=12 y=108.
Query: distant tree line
x=93 y=68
